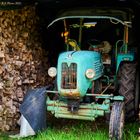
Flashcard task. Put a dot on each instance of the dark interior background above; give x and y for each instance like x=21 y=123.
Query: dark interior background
x=48 y=9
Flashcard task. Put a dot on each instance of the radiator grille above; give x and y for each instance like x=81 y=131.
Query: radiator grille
x=69 y=76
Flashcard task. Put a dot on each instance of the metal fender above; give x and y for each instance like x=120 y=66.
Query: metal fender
x=123 y=57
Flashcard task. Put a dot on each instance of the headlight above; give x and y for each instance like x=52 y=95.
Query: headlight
x=52 y=72
x=90 y=73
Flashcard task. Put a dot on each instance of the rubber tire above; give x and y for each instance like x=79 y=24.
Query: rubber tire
x=127 y=82
x=116 y=123
x=137 y=95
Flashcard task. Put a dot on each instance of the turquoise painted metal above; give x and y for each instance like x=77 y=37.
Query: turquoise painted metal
x=124 y=57
x=84 y=60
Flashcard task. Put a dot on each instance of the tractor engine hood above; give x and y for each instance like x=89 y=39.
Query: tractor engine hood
x=71 y=72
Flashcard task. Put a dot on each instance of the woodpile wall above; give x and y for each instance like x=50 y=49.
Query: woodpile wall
x=23 y=62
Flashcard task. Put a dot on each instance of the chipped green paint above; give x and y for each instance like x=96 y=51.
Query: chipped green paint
x=85 y=112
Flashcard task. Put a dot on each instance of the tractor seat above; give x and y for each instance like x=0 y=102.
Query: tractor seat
x=104 y=48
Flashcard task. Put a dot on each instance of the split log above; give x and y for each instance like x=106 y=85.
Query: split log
x=23 y=62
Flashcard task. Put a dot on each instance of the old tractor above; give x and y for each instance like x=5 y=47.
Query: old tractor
x=95 y=77
x=96 y=74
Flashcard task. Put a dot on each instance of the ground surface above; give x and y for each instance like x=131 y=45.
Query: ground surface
x=61 y=129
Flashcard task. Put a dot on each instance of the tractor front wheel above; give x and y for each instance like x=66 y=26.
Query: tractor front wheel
x=116 y=123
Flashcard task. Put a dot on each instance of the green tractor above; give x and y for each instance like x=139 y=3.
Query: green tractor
x=95 y=77
x=97 y=74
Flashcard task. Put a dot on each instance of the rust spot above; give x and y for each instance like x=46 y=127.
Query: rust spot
x=50 y=104
x=71 y=95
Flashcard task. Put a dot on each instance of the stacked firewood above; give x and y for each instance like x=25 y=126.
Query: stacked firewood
x=23 y=62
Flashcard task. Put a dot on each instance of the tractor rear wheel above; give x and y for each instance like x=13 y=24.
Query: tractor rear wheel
x=116 y=123
x=128 y=87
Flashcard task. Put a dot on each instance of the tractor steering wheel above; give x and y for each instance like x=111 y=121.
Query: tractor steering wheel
x=94 y=42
